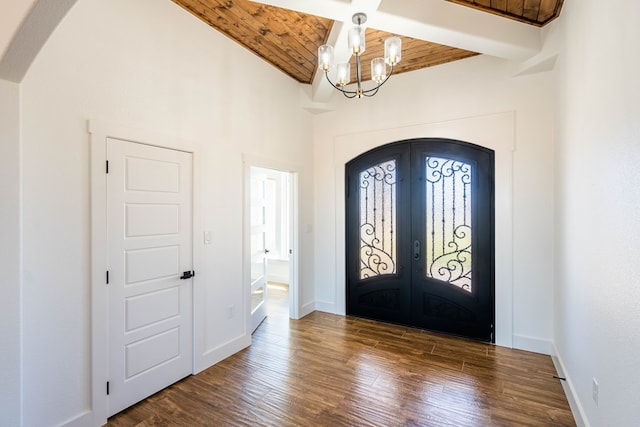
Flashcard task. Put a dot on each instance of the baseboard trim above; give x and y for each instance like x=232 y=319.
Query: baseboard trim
x=569 y=390
x=215 y=355
x=84 y=419
x=307 y=308
x=327 y=307
x=536 y=345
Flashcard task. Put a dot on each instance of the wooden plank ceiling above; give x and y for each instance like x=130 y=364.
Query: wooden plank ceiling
x=534 y=12
x=289 y=40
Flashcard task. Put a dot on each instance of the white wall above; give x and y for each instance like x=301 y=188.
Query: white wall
x=10 y=300
x=149 y=65
x=468 y=89
x=597 y=322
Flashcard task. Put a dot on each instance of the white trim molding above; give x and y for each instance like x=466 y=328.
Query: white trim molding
x=569 y=390
x=535 y=345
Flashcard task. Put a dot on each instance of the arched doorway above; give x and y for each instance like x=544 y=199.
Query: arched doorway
x=420 y=236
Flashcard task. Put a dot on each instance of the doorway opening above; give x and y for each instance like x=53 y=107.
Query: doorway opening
x=272 y=210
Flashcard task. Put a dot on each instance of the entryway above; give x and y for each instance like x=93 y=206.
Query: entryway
x=420 y=236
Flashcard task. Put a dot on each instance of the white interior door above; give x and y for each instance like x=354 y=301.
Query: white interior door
x=258 y=250
x=149 y=203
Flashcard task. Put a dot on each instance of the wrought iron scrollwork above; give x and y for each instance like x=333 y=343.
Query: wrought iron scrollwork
x=448 y=207
x=377 y=220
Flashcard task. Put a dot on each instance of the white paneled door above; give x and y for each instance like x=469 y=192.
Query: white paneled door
x=149 y=192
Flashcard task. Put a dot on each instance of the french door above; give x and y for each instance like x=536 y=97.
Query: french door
x=420 y=236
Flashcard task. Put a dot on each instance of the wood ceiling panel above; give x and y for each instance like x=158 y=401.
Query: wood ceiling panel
x=515 y=7
x=289 y=39
x=534 y=12
x=496 y=5
x=531 y=10
x=286 y=39
x=416 y=54
x=549 y=9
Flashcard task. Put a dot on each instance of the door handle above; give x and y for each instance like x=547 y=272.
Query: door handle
x=416 y=250
x=187 y=275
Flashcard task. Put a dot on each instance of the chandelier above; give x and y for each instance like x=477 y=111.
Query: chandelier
x=392 y=55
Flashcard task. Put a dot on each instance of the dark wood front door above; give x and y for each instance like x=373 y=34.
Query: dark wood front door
x=420 y=236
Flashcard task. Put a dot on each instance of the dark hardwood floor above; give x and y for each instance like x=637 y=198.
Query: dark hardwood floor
x=328 y=370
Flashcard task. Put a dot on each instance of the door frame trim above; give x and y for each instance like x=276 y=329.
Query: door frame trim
x=249 y=161
x=494 y=131
x=99 y=131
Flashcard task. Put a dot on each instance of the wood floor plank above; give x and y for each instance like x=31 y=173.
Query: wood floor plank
x=328 y=370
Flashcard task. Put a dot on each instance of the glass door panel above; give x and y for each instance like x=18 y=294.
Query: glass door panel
x=419 y=228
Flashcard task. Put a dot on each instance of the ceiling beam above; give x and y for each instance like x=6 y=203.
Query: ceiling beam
x=458 y=26
x=435 y=21
x=321 y=90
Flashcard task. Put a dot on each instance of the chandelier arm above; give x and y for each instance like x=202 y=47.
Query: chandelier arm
x=375 y=89
x=358 y=74
x=368 y=93
x=348 y=93
x=352 y=94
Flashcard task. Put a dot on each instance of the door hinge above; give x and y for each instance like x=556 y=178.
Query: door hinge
x=107 y=388
x=107 y=170
x=107 y=277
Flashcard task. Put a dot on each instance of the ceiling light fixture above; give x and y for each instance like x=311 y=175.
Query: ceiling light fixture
x=392 y=55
